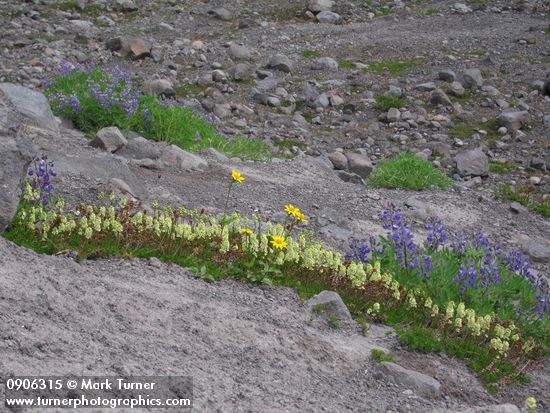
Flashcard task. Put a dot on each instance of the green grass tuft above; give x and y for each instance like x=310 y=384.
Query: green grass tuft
x=421 y=339
x=526 y=196
x=346 y=64
x=431 y=11
x=310 y=53
x=381 y=356
x=393 y=67
x=385 y=103
x=407 y=171
x=465 y=131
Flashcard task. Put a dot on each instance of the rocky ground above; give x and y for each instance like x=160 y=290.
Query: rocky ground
x=472 y=80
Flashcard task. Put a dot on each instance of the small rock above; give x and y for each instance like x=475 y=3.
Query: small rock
x=393 y=115
x=325 y=63
x=534 y=180
x=330 y=304
x=359 y=164
x=125 y=6
x=514 y=120
x=221 y=14
x=133 y=47
x=238 y=52
x=518 y=208
x=339 y=160
x=328 y=17
x=109 y=139
x=447 y=75
x=118 y=185
x=537 y=250
x=456 y=89
x=438 y=97
x=317 y=6
x=420 y=383
x=472 y=78
x=426 y=87
x=280 y=62
x=159 y=87
x=472 y=163
x=175 y=157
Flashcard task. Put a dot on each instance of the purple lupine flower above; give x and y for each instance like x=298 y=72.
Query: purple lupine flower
x=467 y=276
x=459 y=244
x=489 y=271
x=39 y=174
x=359 y=251
x=363 y=251
x=75 y=103
x=437 y=236
x=65 y=69
x=406 y=252
x=480 y=242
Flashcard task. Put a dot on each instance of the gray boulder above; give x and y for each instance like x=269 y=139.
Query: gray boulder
x=239 y=52
x=447 y=75
x=359 y=164
x=17 y=154
x=393 y=115
x=472 y=78
x=330 y=304
x=175 y=157
x=14 y=162
x=140 y=148
x=325 y=63
x=438 y=97
x=130 y=46
x=280 y=62
x=241 y=71
x=456 y=89
x=514 y=120
x=472 y=163
x=420 y=383
x=317 y=6
x=109 y=139
x=328 y=17
x=339 y=160
x=159 y=87
x=125 y=5
x=32 y=105
x=221 y=14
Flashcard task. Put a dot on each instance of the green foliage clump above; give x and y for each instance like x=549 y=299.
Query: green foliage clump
x=385 y=103
x=380 y=355
x=96 y=98
x=407 y=171
x=393 y=67
x=422 y=339
x=310 y=53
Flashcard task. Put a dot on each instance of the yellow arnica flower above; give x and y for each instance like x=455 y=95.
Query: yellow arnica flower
x=237 y=177
x=247 y=231
x=301 y=217
x=291 y=209
x=278 y=242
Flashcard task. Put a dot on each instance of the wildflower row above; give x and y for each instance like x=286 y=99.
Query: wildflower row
x=259 y=251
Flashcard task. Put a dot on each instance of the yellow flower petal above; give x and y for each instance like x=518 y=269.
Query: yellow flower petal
x=237 y=177
x=278 y=242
